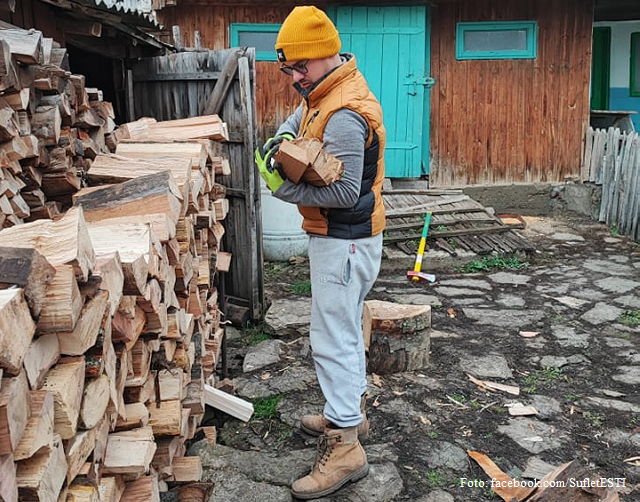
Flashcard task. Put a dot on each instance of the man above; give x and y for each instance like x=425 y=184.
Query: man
x=344 y=221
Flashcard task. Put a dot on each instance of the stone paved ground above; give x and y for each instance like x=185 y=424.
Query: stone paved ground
x=580 y=294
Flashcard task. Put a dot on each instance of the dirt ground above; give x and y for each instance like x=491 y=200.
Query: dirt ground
x=453 y=411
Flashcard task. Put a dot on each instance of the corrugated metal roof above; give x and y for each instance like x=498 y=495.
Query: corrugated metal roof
x=138 y=12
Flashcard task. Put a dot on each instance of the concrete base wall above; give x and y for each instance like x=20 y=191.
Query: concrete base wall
x=539 y=199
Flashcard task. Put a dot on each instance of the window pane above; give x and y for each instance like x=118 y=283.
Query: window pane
x=497 y=40
x=635 y=63
x=261 y=40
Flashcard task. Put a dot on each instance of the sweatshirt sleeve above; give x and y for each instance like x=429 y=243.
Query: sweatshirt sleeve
x=344 y=137
x=292 y=124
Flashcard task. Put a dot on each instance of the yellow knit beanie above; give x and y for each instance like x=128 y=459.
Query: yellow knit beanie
x=307 y=33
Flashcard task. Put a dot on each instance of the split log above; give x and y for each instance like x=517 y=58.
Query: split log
x=144 y=489
x=25 y=45
x=8 y=484
x=14 y=412
x=165 y=417
x=153 y=193
x=66 y=381
x=137 y=416
x=77 y=451
x=85 y=333
x=109 y=269
x=46 y=124
x=129 y=452
x=147 y=150
x=8 y=122
x=15 y=148
x=94 y=402
x=111 y=488
x=39 y=431
x=168 y=448
x=128 y=324
x=83 y=491
x=171 y=383
x=64 y=241
x=566 y=488
x=16 y=329
x=8 y=75
x=42 y=354
x=193 y=492
x=62 y=303
x=42 y=476
x=397 y=336
x=134 y=244
x=204 y=127
x=187 y=470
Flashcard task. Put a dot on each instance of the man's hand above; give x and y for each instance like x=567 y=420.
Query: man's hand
x=264 y=156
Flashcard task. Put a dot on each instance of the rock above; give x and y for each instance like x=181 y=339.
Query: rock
x=532 y=435
x=489 y=366
x=437 y=496
x=601 y=313
x=509 y=278
x=438 y=454
x=294 y=379
x=617 y=284
x=261 y=355
x=628 y=374
x=504 y=318
x=614 y=404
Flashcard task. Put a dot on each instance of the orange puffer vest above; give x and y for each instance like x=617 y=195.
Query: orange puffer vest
x=346 y=87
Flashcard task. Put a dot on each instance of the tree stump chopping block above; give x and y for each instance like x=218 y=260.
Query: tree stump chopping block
x=396 y=336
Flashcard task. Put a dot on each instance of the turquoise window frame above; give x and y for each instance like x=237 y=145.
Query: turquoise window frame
x=235 y=29
x=634 y=61
x=531 y=28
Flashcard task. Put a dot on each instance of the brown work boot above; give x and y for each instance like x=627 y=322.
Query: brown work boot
x=340 y=459
x=316 y=424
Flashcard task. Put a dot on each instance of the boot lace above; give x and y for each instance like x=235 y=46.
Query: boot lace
x=325 y=448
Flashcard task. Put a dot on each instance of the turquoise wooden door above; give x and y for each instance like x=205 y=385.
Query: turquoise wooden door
x=392 y=49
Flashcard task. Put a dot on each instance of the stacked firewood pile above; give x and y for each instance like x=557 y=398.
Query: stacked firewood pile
x=110 y=330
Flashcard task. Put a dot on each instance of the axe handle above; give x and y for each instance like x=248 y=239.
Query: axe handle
x=423 y=243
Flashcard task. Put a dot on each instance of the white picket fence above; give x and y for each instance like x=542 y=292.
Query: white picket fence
x=612 y=159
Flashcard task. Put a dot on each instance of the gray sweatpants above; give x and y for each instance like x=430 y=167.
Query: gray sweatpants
x=342 y=273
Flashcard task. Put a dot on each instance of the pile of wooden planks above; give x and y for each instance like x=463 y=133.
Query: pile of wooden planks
x=457 y=222
x=110 y=329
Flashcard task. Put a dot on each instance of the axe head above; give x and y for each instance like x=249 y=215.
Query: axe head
x=420 y=276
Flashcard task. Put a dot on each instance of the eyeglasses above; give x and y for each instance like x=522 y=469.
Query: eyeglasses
x=300 y=67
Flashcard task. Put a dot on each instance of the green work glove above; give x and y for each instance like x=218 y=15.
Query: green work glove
x=264 y=160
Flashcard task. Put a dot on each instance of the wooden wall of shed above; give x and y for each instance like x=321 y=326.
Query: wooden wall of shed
x=503 y=121
x=275 y=97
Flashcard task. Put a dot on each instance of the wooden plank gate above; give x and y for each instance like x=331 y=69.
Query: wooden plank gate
x=194 y=83
x=612 y=159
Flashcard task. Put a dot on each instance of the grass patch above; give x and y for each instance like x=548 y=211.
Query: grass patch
x=572 y=397
x=436 y=479
x=433 y=434
x=541 y=378
x=595 y=419
x=494 y=262
x=255 y=334
x=301 y=288
x=614 y=229
x=630 y=318
x=265 y=407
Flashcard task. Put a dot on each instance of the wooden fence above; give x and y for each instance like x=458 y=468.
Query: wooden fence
x=612 y=159
x=189 y=84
